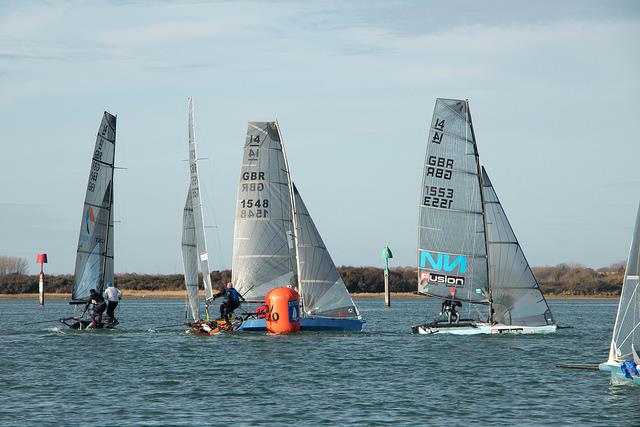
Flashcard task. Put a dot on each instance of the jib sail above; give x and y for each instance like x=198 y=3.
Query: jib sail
x=517 y=298
x=190 y=259
x=626 y=332
x=323 y=290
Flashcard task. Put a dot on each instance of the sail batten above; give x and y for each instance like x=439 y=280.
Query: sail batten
x=94 y=256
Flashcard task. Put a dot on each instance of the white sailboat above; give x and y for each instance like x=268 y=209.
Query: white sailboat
x=467 y=250
x=623 y=352
x=94 y=257
x=194 y=243
x=276 y=243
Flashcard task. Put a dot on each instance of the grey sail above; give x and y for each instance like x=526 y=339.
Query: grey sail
x=190 y=259
x=452 y=255
x=626 y=332
x=517 y=299
x=94 y=257
x=196 y=205
x=264 y=251
x=323 y=290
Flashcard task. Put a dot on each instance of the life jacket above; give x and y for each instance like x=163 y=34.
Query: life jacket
x=262 y=311
x=629 y=369
x=233 y=295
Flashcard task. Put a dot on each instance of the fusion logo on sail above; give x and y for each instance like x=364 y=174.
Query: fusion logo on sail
x=442 y=262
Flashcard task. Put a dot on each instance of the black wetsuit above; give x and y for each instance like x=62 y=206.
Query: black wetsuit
x=449 y=307
x=232 y=301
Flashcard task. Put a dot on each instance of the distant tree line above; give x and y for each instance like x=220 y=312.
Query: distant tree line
x=576 y=279
x=13 y=265
x=562 y=279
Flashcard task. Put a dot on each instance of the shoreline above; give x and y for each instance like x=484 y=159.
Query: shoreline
x=175 y=294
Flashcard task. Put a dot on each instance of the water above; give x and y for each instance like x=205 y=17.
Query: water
x=384 y=375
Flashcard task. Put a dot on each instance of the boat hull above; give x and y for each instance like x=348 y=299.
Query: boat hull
x=308 y=324
x=478 y=328
x=617 y=377
x=83 y=324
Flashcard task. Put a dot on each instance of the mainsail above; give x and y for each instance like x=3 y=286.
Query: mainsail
x=194 y=242
x=517 y=298
x=196 y=204
x=626 y=332
x=264 y=254
x=452 y=254
x=323 y=290
x=94 y=257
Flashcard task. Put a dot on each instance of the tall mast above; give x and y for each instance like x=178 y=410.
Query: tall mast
x=105 y=254
x=293 y=213
x=484 y=213
x=194 y=187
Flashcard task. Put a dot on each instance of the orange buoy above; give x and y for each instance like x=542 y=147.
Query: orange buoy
x=284 y=310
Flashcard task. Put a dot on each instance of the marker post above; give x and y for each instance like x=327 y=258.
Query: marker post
x=42 y=260
x=386 y=254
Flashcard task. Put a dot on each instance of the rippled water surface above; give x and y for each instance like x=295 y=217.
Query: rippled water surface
x=138 y=375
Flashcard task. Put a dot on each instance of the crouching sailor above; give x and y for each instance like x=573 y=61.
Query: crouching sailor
x=99 y=306
x=232 y=301
x=113 y=296
x=449 y=308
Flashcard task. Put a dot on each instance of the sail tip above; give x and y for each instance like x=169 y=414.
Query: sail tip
x=110 y=118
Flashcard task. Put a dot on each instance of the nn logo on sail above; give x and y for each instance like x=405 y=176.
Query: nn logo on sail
x=443 y=262
x=446 y=263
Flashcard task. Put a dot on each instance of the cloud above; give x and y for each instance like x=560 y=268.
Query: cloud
x=159 y=33
x=485 y=39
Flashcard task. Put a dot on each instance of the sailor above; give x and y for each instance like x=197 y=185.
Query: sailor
x=112 y=295
x=449 y=308
x=262 y=311
x=99 y=306
x=232 y=301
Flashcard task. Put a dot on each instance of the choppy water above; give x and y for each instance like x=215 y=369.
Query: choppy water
x=384 y=375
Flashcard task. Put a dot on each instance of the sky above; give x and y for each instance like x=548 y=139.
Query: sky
x=553 y=89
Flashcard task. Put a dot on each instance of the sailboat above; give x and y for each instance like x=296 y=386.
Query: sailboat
x=194 y=245
x=467 y=250
x=276 y=243
x=623 y=352
x=94 y=257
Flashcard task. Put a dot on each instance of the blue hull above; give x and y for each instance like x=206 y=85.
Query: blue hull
x=308 y=324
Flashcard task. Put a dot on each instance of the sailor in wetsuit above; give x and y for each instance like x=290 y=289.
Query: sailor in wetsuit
x=232 y=301
x=449 y=307
x=99 y=306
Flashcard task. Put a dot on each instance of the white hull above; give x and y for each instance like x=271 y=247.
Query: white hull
x=482 y=328
x=617 y=377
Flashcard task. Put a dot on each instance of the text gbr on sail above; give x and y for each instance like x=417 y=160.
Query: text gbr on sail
x=252 y=186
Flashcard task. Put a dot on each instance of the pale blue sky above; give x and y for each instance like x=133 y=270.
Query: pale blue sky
x=553 y=88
